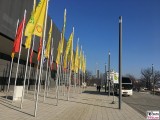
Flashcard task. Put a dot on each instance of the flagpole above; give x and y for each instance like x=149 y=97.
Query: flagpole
x=19 y=52
x=41 y=78
x=57 y=87
x=61 y=71
x=45 y=82
x=44 y=34
x=58 y=77
x=71 y=64
x=65 y=78
x=10 y=73
x=74 y=83
x=85 y=73
x=24 y=82
x=37 y=71
x=69 y=79
x=48 y=82
x=50 y=63
x=30 y=63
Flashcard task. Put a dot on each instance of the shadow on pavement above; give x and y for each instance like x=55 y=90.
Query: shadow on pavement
x=11 y=106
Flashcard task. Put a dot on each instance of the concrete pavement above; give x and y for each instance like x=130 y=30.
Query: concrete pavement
x=89 y=105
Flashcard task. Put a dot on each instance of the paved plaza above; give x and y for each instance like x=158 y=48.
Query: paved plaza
x=90 y=105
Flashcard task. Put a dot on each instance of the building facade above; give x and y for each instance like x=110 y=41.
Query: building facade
x=10 y=12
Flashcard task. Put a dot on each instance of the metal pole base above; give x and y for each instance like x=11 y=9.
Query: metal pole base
x=113 y=102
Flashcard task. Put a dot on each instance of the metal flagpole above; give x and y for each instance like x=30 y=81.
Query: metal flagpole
x=57 y=87
x=70 y=65
x=24 y=82
x=120 y=61
x=109 y=80
x=85 y=73
x=57 y=78
x=19 y=53
x=30 y=64
x=37 y=71
x=65 y=79
x=45 y=82
x=44 y=34
x=40 y=88
x=80 y=71
x=51 y=60
x=61 y=71
x=10 y=73
x=48 y=81
x=74 y=82
x=69 y=79
x=29 y=76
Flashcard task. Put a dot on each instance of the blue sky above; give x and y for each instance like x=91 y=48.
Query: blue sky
x=96 y=24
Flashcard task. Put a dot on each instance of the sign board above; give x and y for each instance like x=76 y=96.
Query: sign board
x=17 y=93
x=115 y=78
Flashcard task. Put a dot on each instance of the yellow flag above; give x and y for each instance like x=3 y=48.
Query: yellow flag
x=85 y=65
x=38 y=30
x=65 y=62
x=12 y=55
x=72 y=67
x=28 y=42
x=76 y=59
x=47 y=52
x=34 y=18
x=29 y=36
x=80 y=59
x=58 y=53
x=82 y=63
x=68 y=49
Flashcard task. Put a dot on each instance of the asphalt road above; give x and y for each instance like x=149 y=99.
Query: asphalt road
x=143 y=101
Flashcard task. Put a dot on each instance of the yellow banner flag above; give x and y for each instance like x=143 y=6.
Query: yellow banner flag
x=72 y=67
x=85 y=65
x=28 y=42
x=68 y=49
x=38 y=30
x=47 y=52
x=80 y=59
x=58 y=53
x=34 y=18
x=76 y=59
x=29 y=36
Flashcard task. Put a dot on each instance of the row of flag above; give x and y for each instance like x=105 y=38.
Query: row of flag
x=35 y=26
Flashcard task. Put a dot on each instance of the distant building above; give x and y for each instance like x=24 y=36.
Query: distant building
x=98 y=74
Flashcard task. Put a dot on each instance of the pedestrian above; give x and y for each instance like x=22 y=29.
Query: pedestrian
x=99 y=88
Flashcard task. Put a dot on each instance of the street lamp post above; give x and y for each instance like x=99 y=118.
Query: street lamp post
x=120 y=61
x=105 y=78
x=109 y=80
x=153 y=81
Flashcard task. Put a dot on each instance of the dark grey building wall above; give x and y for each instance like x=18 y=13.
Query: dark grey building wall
x=10 y=12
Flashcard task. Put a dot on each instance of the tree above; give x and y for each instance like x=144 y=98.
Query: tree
x=88 y=76
x=150 y=77
x=156 y=78
x=146 y=76
x=134 y=81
